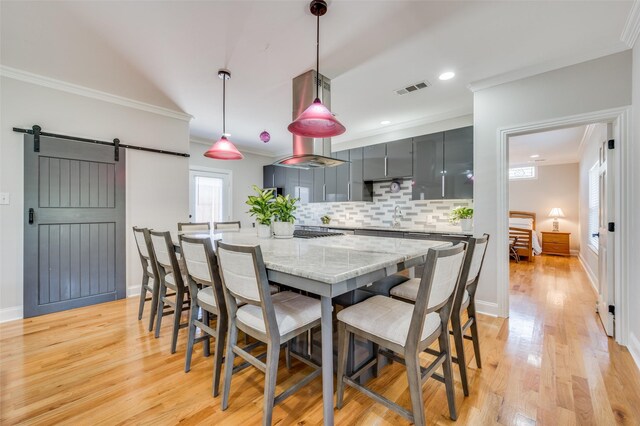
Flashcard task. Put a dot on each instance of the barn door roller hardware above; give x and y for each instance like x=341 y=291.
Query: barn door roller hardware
x=36 y=131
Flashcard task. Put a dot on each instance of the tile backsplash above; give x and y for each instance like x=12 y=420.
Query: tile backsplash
x=423 y=213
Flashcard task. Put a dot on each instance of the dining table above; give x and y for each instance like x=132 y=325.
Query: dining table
x=329 y=266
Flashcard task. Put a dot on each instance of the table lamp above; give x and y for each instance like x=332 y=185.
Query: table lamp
x=555 y=213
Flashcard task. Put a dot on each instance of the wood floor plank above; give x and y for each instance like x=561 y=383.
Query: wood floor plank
x=549 y=363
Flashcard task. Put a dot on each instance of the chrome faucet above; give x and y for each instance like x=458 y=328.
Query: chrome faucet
x=397 y=215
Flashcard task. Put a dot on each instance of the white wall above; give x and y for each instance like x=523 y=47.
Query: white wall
x=587 y=87
x=149 y=175
x=244 y=174
x=589 y=156
x=634 y=273
x=556 y=186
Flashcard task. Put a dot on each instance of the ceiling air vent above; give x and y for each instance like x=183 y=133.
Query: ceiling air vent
x=413 y=88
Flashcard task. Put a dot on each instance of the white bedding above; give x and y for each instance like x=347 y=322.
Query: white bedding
x=520 y=222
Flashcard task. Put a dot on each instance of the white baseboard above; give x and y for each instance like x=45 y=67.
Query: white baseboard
x=634 y=348
x=10 y=314
x=133 y=291
x=487 y=308
x=575 y=252
x=593 y=279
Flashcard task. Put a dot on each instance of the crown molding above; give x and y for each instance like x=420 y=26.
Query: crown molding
x=209 y=142
x=631 y=29
x=75 y=89
x=555 y=64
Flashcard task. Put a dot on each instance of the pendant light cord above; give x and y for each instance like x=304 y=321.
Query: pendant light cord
x=224 y=99
x=318 y=57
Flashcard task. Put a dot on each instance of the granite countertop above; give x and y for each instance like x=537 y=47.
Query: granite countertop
x=329 y=259
x=451 y=230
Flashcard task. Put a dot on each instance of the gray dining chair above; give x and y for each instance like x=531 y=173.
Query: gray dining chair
x=205 y=288
x=464 y=301
x=193 y=227
x=227 y=226
x=149 y=273
x=170 y=277
x=405 y=330
x=272 y=319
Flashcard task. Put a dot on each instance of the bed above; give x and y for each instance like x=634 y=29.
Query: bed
x=522 y=229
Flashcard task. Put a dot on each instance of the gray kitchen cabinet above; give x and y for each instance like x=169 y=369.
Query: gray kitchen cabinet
x=268 y=177
x=305 y=186
x=292 y=178
x=399 y=158
x=318 y=195
x=359 y=190
x=458 y=163
x=331 y=184
x=374 y=162
x=343 y=180
x=280 y=177
x=428 y=159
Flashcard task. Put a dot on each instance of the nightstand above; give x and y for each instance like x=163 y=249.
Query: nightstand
x=556 y=243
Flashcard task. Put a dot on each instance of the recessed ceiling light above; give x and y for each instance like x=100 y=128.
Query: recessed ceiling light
x=534 y=156
x=385 y=122
x=447 y=75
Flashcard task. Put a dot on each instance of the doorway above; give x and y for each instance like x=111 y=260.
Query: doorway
x=74 y=229
x=209 y=196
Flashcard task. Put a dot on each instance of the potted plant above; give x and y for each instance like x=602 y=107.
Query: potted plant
x=463 y=216
x=283 y=208
x=262 y=209
x=326 y=219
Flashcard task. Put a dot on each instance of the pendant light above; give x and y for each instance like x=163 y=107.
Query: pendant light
x=224 y=149
x=317 y=121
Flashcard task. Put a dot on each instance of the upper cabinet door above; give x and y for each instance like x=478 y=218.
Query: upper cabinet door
x=292 y=179
x=428 y=164
x=280 y=177
x=343 y=181
x=331 y=183
x=268 y=176
x=374 y=162
x=305 y=187
x=458 y=163
x=318 y=185
x=360 y=191
x=400 y=158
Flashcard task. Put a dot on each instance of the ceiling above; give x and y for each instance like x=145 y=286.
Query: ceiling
x=167 y=53
x=560 y=146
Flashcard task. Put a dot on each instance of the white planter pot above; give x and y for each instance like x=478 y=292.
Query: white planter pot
x=264 y=231
x=283 y=229
x=466 y=225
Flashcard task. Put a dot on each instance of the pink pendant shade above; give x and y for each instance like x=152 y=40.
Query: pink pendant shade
x=224 y=150
x=316 y=122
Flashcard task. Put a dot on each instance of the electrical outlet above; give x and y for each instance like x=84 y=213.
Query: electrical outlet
x=4 y=198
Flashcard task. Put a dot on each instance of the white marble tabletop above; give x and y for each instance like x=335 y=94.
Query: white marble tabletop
x=329 y=259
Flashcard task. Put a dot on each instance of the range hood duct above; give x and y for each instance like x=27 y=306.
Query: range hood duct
x=310 y=153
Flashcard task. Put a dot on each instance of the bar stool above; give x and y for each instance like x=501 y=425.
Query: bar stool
x=149 y=272
x=406 y=330
x=464 y=301
x=194 y=227
x=272 y=319
x=227 y=226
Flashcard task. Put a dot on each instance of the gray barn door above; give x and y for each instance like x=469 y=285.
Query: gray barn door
x=74 y=232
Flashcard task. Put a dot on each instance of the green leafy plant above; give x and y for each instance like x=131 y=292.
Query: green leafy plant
x=326 y=219
x=262 y=205
x=283 y=208
x=460 y=213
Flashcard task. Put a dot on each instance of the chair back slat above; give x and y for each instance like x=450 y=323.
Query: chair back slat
x=163 y=257
x=227 y=226
x=477 y=258
x=445 y=278
x=193 y=227
x=195 y=258
x=141 y=242
x=239 y=274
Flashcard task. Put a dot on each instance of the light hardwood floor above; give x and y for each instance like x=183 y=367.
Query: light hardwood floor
x=549 y=363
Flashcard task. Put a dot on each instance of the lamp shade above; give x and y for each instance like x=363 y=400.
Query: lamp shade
x=224 y=150
x=556 y=212
x=316 y=122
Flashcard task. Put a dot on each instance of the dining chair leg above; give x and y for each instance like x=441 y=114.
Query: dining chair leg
x=415 y=388
x=177 y=316
x=459 y=342
x=471 y=310
x=273 y=352
x=232 y=337
x=443 y=341
x=206 y=345
x=162 y=294
x=343 y=343
x=143 y=295
x=154 y=303
x=376 y=366
x=218 y=351
x=193 y=313
x=287 y=355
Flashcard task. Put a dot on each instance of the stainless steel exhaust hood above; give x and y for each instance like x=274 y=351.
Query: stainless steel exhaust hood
x=310 y=152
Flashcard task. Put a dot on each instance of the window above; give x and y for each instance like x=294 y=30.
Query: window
x=594 y=206
x=209 y=196
x=526 y=172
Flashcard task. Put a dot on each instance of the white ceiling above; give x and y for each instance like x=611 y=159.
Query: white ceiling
x=168 y=52
x=560 y=146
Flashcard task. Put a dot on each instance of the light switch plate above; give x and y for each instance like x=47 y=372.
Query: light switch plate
x=4 y=198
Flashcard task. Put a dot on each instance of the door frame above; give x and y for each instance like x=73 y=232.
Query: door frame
x=228 y=173
x=622 y=165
